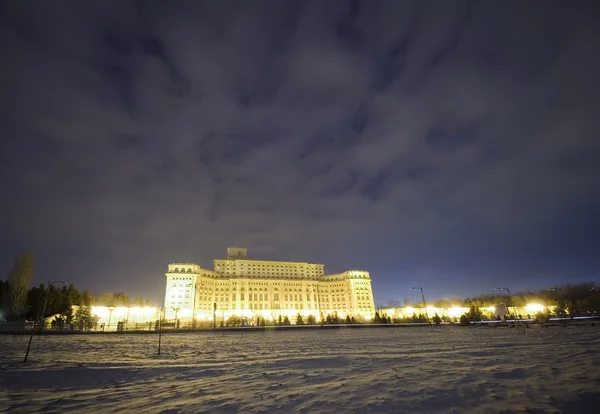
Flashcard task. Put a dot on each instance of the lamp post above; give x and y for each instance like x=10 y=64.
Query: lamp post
x=420 y=288
x=215 y=315
x=509 y=299
x=176 y=310
x=110 y=311
x=50 y=282
x=562 y=295
x=521 y=325
x=161 y=316
x=318 y=302
x=196 y=284
x=194 y=306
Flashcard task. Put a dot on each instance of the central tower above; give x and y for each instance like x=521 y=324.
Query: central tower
x=240 y=253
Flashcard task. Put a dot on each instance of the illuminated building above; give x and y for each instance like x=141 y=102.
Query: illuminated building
x=241 y=287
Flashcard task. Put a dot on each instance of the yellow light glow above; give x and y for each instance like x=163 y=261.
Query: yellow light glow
x=184 y=313
x=456 y=311
x=121 y=313
x=534 y=308
x=409 y=310
x=491 y=308
x=100 y=311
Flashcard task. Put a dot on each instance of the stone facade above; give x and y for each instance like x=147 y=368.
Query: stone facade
x=242 y=287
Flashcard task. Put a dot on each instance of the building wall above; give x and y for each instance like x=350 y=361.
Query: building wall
x=268 y=289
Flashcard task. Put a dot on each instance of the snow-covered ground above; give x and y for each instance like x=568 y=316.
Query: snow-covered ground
x=450 y=370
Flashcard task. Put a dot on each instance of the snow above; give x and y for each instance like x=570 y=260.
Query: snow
x=370 y=370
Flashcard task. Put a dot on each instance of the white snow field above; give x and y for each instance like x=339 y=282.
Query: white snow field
x=367 y=370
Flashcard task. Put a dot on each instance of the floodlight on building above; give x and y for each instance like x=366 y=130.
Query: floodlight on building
x=534 y=308
x=100 y=311
x=456 y=311
x=410 y=310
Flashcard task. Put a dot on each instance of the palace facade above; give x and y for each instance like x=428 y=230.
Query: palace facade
x=241 y=287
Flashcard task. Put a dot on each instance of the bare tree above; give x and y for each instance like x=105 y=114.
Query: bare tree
x=393 y=304
x=19 y=280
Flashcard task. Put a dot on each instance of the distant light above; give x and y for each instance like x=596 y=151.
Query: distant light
x=456 y=311
x=185 y=313
x=534 y=308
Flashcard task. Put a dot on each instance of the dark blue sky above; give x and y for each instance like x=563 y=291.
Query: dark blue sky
x=453 y=145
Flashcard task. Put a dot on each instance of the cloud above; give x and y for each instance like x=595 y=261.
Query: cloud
x=450 y=144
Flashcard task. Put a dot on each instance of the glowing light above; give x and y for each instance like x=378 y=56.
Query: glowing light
x=184 y=313
x=491 y=308
x=100 y=311
x=410 y=310
x=456 y=311
x=534 y=308
x=133 y=314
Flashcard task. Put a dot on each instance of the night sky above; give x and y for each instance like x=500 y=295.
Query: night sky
x=453 y=145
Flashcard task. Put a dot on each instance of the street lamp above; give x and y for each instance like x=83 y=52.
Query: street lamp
x=509 y=299
x=110 y=311
x=562 y=295
x=518 y=320
x=176 y=310
x=419 y=288
x=318 y=301
x=50 y=282
x=196 y=284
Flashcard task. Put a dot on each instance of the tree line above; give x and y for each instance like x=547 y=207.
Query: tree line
x=19 y=300
x=577 y=299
